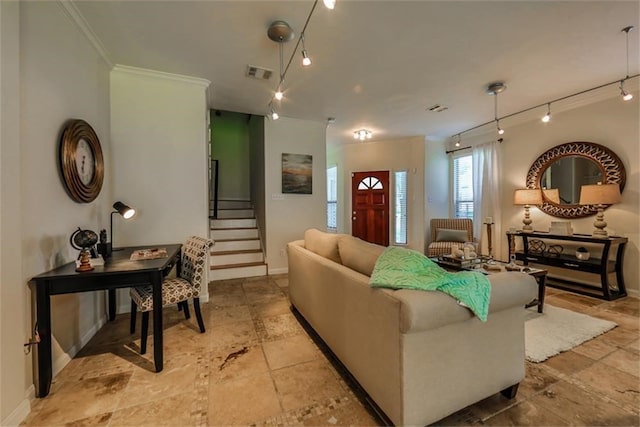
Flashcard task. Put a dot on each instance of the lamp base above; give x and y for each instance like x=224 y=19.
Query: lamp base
x=105 y=249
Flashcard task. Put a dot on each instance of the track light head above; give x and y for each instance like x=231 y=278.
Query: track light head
x=329 y=4
x=274 y=114
x=306 y=61
x=279 y=95
x=547 y=117
x=625 y=95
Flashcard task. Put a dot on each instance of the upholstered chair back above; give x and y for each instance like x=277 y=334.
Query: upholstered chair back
x=194 y=260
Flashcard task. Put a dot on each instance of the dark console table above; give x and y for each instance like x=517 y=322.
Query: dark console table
x=602 y=266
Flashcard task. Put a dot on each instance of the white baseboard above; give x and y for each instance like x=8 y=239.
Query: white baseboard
x=65 y=358
x=633 y=293
x=19 y=414
x=283 y=270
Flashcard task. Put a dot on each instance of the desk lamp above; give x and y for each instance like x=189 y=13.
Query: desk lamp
x=527 y=197
x=126 y=212
x=600 y=195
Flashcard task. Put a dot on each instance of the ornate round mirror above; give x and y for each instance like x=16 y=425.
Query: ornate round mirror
x=561 y=171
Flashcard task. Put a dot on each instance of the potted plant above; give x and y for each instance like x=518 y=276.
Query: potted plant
x=582 y=253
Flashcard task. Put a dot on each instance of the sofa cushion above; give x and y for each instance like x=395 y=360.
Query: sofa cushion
x=359 y=255
x=323 y=244
x=450 y=235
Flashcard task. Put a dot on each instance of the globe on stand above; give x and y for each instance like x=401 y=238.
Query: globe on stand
x=82 y=240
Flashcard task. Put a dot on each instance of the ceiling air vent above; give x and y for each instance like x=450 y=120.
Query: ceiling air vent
x=258 y=72
x=437 y=108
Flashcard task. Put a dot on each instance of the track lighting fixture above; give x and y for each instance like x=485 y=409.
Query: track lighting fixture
x=362 y=134
x=306 y=61
x=273 y=113
x=626 y=95
x=458 y=141
x=329 y=4
x=495 y=89
x=547 y=117
x=280 y=32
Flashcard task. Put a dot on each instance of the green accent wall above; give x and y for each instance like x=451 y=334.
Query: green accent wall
x=230 y=146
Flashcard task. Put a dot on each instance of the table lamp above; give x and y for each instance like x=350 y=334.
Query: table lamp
x=552 y=194
x=105 y=248
x=527 y=197
x=600 y=195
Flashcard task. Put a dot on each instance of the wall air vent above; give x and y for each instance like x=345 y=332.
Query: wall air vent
x=437 y=108
x=258 y=72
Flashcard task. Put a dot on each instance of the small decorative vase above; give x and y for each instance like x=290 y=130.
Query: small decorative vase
x=582 y=256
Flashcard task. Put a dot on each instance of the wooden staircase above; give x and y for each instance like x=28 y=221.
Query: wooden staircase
x=237 y=251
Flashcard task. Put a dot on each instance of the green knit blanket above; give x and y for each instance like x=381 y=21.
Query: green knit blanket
x=399 y=268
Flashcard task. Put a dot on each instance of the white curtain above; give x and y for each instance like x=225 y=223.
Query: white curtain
x=486 y=196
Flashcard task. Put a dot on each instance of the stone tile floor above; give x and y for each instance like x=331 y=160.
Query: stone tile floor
x=256 y=365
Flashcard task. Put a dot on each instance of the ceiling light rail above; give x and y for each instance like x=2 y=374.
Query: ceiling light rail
x=615 y=82
x=281 y=32
x=498 y=87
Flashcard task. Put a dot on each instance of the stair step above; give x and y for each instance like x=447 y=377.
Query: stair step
x=243 y=251
x=246 y=264
x=224 y=245
x=235 y=213
x=236 y=258
x=232 y=204
x=218 y=234
x=238 y=271
x=232 y=223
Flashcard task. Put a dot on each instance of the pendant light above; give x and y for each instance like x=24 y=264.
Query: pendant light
x=626 y=95
x=547 y=117
x=306 y=61
x=280 y=32
x=495 y=89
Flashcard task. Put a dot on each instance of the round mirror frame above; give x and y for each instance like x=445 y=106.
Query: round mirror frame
x=613 y=172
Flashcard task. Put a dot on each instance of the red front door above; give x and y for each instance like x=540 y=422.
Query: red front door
x=370 y=206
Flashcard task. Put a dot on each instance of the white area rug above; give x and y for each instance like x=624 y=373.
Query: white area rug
x=557 y=330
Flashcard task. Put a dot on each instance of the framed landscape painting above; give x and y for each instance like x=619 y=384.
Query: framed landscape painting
x=297 y=171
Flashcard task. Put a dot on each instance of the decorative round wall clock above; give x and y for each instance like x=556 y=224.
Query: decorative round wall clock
x=81 y=161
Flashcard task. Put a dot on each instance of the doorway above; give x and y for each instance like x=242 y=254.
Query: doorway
x=370 y=206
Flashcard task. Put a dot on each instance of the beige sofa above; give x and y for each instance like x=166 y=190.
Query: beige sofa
x=419 y=355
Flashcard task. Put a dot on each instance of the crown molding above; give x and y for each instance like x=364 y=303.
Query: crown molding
x=74 y=14
x=161 y=75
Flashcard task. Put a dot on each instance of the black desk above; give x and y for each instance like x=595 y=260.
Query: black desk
x=117 y=272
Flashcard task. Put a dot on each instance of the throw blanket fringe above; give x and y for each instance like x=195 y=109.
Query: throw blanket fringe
x=399 y=268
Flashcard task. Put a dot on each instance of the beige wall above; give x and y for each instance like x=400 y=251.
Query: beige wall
x=160 y=165
x=610 y=122
x=55 y=84
x=392 y=155
x=257 y=173
x=288 y=215
x=436 y=187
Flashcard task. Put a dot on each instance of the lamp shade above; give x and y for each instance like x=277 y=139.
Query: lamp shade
x=527 y=197
x=124 y=210
x=600 y=194
x=552 y=194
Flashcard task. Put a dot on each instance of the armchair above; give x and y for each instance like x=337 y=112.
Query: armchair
x=448 y=231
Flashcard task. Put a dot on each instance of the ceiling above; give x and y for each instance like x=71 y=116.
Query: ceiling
x=379 y=65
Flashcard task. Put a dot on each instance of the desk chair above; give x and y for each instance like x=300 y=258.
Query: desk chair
x=177 y=290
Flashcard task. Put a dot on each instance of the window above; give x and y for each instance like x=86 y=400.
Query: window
x=463 y=187
x=400 y=208
x=332 y=198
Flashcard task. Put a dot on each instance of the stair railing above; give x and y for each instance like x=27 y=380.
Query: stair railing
x=213 y=186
